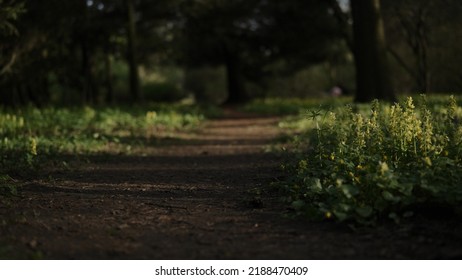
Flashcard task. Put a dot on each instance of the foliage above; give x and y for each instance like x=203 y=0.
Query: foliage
x=10 y=10
x=289 y=106
x=424 y=34
x=254 y=40
x=379 y=161
x=31 y=136
x=7 y=186
x=75 y=52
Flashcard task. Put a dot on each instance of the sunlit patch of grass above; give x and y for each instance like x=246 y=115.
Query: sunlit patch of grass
x=30 y=136
x=291 y=106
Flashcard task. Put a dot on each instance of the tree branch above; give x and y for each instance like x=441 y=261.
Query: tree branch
x=401 y=62
x=9 y=64
x=343 y=22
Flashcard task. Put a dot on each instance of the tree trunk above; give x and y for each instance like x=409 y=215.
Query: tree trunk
x=421 y=52
x=235 y=81
x=131 y=52
x=373 y=79
x=415 y=30
x=108 y=78
x=90 y=88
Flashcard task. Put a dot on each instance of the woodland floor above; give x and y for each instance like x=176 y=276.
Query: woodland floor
x=203 y=195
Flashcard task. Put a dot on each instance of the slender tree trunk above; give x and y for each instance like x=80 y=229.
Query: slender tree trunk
x=373 y=79
x=235 y=81
x=421 y=53
x=415 y=29
x=9 y=91
x=131 y=52
x=108 y=78
x=33 y=93
x=19 y=99
x=89 y=85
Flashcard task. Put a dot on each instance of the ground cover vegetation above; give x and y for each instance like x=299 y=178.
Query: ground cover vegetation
x=290 y=106
x=31 y=137
x=366 y=163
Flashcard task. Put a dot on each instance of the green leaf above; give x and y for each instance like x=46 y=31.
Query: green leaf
x=394 y=217
x=340 y=215
x=349 y=190
x=344 y=207
x=406 y=188
x=390 y=197
x=316 y=185
x=298 y=204
x=364 y=211
x=380 y=204
x=408 y=214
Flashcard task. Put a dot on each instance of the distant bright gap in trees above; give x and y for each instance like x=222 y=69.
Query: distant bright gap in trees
x=344 y=4
x=90 y=3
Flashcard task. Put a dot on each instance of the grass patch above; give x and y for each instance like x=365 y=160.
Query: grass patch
x=290 y=106
x=31 y=136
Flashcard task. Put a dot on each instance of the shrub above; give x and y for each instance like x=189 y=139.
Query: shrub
x=379 y=162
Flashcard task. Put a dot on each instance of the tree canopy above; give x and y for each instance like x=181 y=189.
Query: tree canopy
x=95 y=51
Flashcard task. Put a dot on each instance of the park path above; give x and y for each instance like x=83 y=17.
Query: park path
x=202 y=195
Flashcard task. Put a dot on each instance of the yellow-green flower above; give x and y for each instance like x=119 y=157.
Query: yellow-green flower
x=33 y=146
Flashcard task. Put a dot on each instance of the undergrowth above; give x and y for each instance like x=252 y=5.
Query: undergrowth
x=30 y=136
x=372 y=162
x=289 y=106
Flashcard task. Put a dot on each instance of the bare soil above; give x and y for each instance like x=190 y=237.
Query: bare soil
x=203 y=195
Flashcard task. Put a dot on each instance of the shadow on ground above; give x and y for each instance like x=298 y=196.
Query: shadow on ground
x=204 y=196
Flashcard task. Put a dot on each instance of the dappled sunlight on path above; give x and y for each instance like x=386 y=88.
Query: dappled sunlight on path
x=201 y=195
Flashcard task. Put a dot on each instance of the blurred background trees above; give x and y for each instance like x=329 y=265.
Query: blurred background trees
x=373 y=80
x=221 y=51
x=257 y=41
x=423 y=39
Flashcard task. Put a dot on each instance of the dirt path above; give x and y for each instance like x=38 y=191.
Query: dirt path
x=203 y=197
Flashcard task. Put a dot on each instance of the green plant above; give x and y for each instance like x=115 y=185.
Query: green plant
x=289 y=106
x=30 y=136
x=378 y=162
x=7 y=186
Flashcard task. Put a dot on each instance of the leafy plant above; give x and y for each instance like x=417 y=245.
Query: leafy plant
x=7 y=186
x=378 y=162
